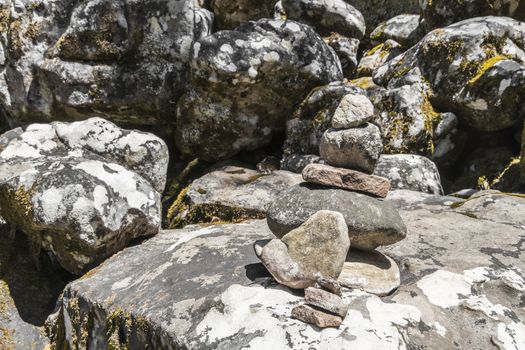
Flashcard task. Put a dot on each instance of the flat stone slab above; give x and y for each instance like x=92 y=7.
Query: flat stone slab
x=462 y=286
x=346 y=179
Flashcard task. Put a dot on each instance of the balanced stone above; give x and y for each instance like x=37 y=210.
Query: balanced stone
x=326 y=301
x=371 y=222
x=346 y=179
x=357 y=148
x=317 y=317
x=316 y=249
x=353 y=111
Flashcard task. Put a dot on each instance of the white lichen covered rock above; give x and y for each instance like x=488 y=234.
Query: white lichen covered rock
x=246 y=83
x=474 y=68
x=123 y=60
x=327 y=16
x=404 y=29
x=410 y=172
x=82 y=190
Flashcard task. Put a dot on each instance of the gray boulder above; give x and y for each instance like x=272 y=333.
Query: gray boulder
x=441 y=13
x=84 y=190
x=357 y=148
x=462 y=283
x=474 y=68
x=410 y=172
x=229 y=193
x=245 y=84
x=353 y=111
x=316 y=249
x=327 y=16
x=371 y=222
x=407 y=30
x=126 y=61
x=347 y=49
x=229 y=14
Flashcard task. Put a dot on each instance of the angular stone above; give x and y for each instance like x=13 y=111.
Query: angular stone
x=372 y=272
x=357 y=148
x=229 y=193
x=316 y=317
x=315 y=249
x=346 y=179
x=377 y=56
x=326 y=301
x=330 y=285
x=410 y=172
x=353 y=111
x=371 y=222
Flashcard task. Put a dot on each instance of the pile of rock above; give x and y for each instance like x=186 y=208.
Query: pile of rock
x=317 y=221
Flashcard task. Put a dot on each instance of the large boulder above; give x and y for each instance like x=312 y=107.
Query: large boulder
x=229 y=14
x=371 y=222
x=462 y=282
x=247 y=82
x=229 y=193
x=327 y=16
x=122 y=60
x=441 y=13
x=84 y=190
x=407 y=30
x=474 y=68
x=410 y=172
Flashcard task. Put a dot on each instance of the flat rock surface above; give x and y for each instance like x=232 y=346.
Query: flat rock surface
x=462 y=286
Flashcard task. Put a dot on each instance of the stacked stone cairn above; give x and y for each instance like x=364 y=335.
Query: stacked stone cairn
x=339 y=202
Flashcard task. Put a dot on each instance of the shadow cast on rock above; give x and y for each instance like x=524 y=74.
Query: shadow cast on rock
x=34 y=291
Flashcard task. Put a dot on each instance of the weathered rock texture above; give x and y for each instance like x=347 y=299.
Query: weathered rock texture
x=82 y=190
x=122 y=60
x=410 y=172
x=229 y=193
x=230 y=14
x=407 y=30
x=370 y=222
x=203 y=288
x=346 y=179
x=316 y=316
x=316 y=249
x=475 y=68
x=246 y=83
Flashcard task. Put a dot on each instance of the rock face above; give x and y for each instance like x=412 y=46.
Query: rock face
x=410 y=172
x=357 y=148
x=370 y=222
x=230 y=14
x=474 y=67
x=327 y=16
x=440 y=13
x=316 y=249
x=230 y=193
x=82 y=190
x=203 y=288
x=122 y=60
x=346 y=179
x=245 y=84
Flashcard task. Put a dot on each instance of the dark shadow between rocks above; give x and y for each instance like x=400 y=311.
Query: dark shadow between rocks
x=34 y=292
x=256 y=272
x=373 y=257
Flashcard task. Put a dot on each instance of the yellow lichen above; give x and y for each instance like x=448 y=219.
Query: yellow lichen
x=364 y=82
x=374 y=50
x=179 y=205
x=432 y=118
x=484 y=67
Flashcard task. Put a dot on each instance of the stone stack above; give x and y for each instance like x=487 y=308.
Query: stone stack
x=316 y=222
